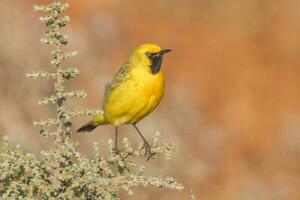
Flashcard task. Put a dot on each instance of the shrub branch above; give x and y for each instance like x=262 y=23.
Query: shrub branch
x=63 y=172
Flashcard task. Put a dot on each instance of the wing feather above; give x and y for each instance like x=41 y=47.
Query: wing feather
x=119 y=77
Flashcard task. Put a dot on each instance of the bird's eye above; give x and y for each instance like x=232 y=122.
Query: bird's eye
x=148 y=53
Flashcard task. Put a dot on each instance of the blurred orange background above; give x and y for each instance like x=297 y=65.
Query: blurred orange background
x=232 y=97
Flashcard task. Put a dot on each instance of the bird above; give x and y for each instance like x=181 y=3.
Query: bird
x=134 y=92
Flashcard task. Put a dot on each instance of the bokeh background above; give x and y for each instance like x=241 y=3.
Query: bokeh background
x=233 y=87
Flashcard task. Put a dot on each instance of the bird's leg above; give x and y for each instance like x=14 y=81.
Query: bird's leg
x=146 y=146
x=117 y=151
x=146 y=143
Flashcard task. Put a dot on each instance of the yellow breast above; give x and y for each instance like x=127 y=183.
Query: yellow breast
x=134 y=98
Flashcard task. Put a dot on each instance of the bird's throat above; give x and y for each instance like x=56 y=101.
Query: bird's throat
x=156 y=62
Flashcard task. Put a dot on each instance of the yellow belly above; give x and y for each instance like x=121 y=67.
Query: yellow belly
x=134 y=98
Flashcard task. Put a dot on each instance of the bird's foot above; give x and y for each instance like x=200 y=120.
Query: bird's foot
x=147 y=147
x=148 y=152
x=116 y=151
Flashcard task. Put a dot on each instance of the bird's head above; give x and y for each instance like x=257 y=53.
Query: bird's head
x=149 y=55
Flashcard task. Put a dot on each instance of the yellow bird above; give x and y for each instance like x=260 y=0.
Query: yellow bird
x=134 y=91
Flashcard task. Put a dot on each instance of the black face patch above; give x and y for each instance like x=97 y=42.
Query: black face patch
x=156 y=61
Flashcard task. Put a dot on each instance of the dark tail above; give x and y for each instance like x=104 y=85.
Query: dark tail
x=91 y=125
x=88 y=127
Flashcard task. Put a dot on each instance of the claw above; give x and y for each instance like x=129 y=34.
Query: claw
x=148 y=152
x=116 y=151
x=147 y=148
x=150 y=155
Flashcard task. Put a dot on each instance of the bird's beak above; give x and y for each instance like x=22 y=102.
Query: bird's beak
x=164 y=51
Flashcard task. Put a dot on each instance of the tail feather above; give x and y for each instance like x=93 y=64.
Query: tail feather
x=91 y=125
x=88 y=127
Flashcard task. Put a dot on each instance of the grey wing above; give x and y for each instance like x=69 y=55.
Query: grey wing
x=106 y=88
x=117 y=79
